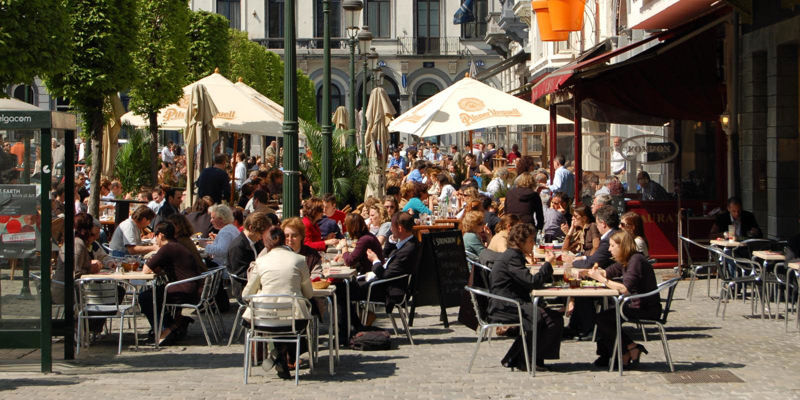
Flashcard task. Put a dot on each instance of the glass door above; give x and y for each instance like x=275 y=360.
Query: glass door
x=427 y=26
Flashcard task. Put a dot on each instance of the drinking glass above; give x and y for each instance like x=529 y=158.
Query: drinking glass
x=732 y=231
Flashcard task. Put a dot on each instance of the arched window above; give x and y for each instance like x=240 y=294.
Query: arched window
x=337 y=99
x=25 y=93
x=424 y=91
x=391 y=90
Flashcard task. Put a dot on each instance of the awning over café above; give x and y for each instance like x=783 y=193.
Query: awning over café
x=679 y=78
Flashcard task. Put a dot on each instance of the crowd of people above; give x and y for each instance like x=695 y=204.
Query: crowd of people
x=505 y=204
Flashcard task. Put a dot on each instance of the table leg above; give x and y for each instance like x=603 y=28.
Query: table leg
x=619 y=334
x=157 y=331
x=786 y=297
x=347 y=307
x=335 y=323
x=534 y=332
x=331 y=340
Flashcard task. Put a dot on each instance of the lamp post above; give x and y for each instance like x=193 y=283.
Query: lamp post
x=373 y=57
x=291 y=179
x=352 y=10
x=327 y=129
x=364 y=43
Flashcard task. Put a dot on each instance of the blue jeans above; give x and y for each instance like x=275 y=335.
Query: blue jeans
x=117 y=253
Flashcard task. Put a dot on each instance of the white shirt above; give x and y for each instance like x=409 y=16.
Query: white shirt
x=240 y=174
x=155 y=205
x=126 y=234
x=617 y=161
x=167 y=155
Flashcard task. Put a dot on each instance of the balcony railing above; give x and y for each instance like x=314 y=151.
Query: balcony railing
x=303 y=43
x=449 y=46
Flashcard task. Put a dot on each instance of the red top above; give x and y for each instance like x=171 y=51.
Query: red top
x=338 y=216
x=313 y=237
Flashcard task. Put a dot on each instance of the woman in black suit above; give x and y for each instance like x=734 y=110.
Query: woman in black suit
x=637 y=277
x=524 y=202
x=511 y=278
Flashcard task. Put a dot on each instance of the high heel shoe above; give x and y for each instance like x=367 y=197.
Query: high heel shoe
x=633 y=363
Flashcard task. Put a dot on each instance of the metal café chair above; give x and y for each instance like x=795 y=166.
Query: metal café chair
x=695 y=267
x=58 y=309
x=486 y=326
x=748 y=274
x=100 y=298
x=275 y=321
x=200 y=308
x=402 y=306
x=242 y=306
x=215 y=316
x=669 y=286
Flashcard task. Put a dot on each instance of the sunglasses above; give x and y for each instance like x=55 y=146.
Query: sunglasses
x=622 y=224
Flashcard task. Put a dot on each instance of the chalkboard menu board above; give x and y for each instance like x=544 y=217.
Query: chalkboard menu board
x=442 y=272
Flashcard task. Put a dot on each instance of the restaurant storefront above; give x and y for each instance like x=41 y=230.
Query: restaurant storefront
x=652 y=106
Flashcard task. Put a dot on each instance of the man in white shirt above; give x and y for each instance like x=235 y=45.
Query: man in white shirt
x=617 y=157
x=434 y=155
x=127 y=238
x=167 y=155
x=240 y=172
x=158 y=199
x=563 y=181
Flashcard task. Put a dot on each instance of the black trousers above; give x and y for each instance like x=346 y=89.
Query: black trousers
x=146 y=304
x=582 y=318
x=607 y=328
x=548 y=339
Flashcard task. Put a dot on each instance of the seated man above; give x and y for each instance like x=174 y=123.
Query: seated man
x=329 y=209
x=417 y=174
x=651 y=191
x=246 y=247
x=127 y=238
x=171 y=205
x=744 y=222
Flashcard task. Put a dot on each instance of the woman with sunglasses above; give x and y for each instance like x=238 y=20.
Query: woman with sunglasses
x=632 y=223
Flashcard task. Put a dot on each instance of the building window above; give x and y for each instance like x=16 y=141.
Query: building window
x=427 y=26
x=425 y=91
x=62 y=104
x=231 y=9
x=335 y=17
x=25 y=93
x=378 y=18
x=476 y=29
x=337 y=99
x=275 y=18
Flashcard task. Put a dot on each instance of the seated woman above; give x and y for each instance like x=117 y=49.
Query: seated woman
x=499 y=242
x=199 y=217
x=183 y=235
x=474 y=228
x=222 y=220
x=312 y=212
x=85 y=234
x=637 y=277
x=582 y=236
x=176 y=263
x=632 y=223
x=280 y=271
x=377 y=220
x=415 y=194
x=511 y=278
x=357 y=258
x=295 y=233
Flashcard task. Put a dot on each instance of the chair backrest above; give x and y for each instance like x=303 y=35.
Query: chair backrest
x=687 y=247
x=757 y=244
x=208 y=286
x=480 y=309
x=97 y=292
x=669 y=286
x=267 y=310
x=470 y=255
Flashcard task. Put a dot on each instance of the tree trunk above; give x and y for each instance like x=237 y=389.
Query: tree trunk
x=153 y=118
x=96 y=125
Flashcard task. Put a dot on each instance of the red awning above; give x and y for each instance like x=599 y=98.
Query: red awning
x=560 y=78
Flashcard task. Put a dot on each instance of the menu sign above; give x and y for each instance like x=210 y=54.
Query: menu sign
x=19 y=221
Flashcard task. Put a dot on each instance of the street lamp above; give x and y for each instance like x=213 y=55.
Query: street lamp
x=377 y=73
x=352 y=10
x=364 y=43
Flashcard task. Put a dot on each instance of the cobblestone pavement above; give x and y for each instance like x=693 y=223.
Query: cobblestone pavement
x=757 y=351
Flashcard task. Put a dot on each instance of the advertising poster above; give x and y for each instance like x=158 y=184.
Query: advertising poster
x=19 y=221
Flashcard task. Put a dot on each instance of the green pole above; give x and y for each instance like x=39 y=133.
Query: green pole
x=351 y=133
x=45 y=340
x=69 y=244
x=363 y=132
x=291 y=179
x=25 y=291
x=327 y=129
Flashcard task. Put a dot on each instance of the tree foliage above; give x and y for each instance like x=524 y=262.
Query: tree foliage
x=34 y=39
x=133 y=161
x=101 y=65
x=349 y=180
x=209 y=46
x=161 y=63
x=262 y=70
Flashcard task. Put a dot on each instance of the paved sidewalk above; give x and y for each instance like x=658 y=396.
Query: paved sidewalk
x=758 y=352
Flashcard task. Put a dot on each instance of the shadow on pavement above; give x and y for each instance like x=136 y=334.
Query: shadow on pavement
x=12 y=384
x=352 y=367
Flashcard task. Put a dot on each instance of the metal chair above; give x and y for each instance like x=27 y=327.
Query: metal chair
x=215 y=315
x=749 y=274
x=486 y=326
x=275 y=321
x=669 y=286
x=57 y=309
x=471 y=256
x=242 y=306
x=200 y=308
x=99 y=298
x=696 y=267
x=402 y=306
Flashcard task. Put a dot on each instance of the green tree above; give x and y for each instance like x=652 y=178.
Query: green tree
x=306 y=98
x=209 y=46
x=133 y=161
x=160 y=61
x=101 y=65
x=34 y=40
x=349 y=179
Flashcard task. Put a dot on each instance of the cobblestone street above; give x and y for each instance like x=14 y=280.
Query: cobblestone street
x=758 y=352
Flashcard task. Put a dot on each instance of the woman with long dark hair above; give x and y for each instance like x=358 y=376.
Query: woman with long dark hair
x=357 y=258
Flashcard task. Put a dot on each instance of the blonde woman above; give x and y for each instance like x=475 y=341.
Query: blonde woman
x=474 y=230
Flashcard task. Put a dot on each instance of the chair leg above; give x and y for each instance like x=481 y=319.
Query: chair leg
x=666 y=347
x=236 y=322
x=297 y=361
x=693 y=278
x=80 y=331
x=121 y=326
x=246 y=355
x=525 y=347
x=402 y=311
x=394 y=323
x=644 y=333
x=135 y=332
x=481 y=334
x=203 y=325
